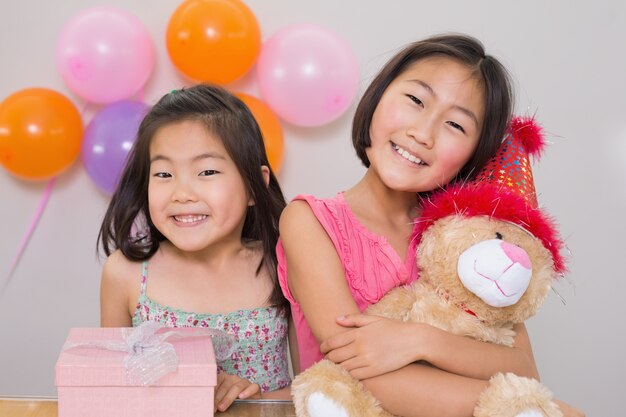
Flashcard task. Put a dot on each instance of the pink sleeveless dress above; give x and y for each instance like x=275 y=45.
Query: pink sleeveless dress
x=372 y=267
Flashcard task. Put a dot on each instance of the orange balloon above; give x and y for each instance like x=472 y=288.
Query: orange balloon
x=270 y=128
x=213 y=40
x=40 y=133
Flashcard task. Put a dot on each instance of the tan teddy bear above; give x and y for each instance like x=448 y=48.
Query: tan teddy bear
x=487 y=257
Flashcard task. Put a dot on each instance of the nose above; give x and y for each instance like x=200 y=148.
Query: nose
x=422 y=131
x=183 y=192
x=516 y=254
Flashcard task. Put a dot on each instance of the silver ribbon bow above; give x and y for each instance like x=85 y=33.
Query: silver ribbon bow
x=150 y=356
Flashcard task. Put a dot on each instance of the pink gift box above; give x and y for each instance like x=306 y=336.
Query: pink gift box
x=93 y=382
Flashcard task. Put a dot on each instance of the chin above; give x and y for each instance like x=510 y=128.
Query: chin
x=401 y=184
x=190 y=247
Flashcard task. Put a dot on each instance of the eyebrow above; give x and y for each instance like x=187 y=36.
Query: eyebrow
x=205 y=155
x=462 y=109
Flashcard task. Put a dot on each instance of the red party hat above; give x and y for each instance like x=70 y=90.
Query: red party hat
x=504 y=189
x=510 y=168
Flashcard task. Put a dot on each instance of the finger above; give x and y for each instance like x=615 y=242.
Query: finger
x=353 y=364
x=337 y=341
x=221 y=391
x=362 y=373
x=360 y=369
x=249 y=390
x=231 y=395
x=223 y=388
x=341 y=354
x=356 y=320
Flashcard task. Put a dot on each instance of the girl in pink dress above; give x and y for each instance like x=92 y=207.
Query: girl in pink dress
x=434 y=114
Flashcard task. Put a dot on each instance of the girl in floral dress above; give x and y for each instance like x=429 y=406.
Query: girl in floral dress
x=199 y=178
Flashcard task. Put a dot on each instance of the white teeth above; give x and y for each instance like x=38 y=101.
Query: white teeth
x=190 y=218
x=406 y=155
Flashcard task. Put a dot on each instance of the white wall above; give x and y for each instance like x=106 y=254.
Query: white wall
x=570 y=69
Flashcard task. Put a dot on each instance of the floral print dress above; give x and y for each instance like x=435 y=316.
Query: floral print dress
x=260 y=354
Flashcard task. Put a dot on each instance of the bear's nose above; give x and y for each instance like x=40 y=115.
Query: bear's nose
x=516 y=254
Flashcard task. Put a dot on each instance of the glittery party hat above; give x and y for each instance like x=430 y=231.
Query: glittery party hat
x=504 y=190
x=510 y=168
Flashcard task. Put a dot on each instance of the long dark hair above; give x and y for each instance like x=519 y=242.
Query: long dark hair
x=466 y=50
x=229 y=119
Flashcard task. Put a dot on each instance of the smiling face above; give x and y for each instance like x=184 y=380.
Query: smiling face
x=196 y=196
x=426 y=125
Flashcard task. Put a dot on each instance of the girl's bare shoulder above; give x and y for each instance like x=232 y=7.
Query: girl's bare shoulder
x=296 y=218
x=117 y=268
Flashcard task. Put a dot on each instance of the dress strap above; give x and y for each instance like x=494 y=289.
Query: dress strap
x=144 y=277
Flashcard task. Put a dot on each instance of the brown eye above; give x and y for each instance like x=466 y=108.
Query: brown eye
x=498 y=236
x=208 y=173
x=415 y=100
x=456 y=126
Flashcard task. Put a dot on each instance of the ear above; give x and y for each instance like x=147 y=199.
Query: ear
x=265 y=171
x=266 y=174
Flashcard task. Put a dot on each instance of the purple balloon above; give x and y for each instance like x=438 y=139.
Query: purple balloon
x=108 y=139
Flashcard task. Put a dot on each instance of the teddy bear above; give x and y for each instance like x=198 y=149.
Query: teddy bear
x=487 y=257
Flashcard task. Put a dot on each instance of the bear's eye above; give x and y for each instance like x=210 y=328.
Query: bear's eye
x=499 y=235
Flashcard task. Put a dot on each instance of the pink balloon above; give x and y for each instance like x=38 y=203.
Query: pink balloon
x=307 y=74
x=104 y=54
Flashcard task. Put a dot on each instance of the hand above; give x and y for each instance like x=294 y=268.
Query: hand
x=568 y=410
x=363 y=350
x=231 y=387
